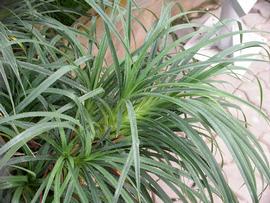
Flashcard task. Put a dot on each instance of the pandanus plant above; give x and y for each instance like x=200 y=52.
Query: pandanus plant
x=74 y=128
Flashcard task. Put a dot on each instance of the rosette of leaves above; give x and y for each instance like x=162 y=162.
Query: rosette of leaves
x=75 y=129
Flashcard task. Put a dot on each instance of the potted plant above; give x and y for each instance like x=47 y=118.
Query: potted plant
x=76 y=129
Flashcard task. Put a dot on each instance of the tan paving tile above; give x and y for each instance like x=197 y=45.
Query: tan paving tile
x=226 y=157
x=236 y=182
x=253 y=19
x=247 y=88
x=266 y=197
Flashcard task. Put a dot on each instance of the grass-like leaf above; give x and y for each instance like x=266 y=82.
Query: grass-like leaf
x=74 y=128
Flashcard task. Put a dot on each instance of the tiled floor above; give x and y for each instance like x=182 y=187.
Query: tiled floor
x=257 y=19
x=247 y=88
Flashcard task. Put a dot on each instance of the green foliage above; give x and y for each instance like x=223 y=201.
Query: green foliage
x=75 y=129
x=70 y=10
